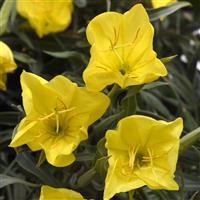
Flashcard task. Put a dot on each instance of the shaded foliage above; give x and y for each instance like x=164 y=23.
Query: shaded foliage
x=67 y=53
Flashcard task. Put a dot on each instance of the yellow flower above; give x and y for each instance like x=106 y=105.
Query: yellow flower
x=142 y=151
x=161 y=3
x=46 y=16
x=7 y=64
x=121 y=50
x=50 y=193
x=58 y=114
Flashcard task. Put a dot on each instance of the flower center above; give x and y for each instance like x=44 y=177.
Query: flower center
x=137 y=159
x=57 y=127
x=57 y=121
x=124 y=69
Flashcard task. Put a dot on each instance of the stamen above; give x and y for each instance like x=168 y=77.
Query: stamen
x=132 y=156
x=57 y=122
x=58 y=112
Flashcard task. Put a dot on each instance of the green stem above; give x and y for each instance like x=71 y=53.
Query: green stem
x=113 y=91
x=41 y=159
x=130 y=195
x=187 y=140
x=108 y=2
x=60 y=43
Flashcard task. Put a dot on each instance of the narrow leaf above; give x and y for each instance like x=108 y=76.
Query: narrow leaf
x=9 y=118
x=86 y=178
x=67 y=54
x=168 y=59
x=22 y=57
x=154 y=85
x=155 y=14
x=7 y=180
x=4 y=15
x=189 y=139
x=25 y=161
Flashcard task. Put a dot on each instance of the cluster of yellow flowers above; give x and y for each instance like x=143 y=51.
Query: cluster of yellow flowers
x=142 y=151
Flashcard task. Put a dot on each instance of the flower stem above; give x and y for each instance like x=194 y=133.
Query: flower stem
x=130 y=195
x=108 y=2
x=113 y=91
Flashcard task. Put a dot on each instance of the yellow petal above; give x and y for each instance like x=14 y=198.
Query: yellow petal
x=92 y=104
x=140 y=57
x=34 y=145
x=7 y=64
x=157 y=178
x=46 y=16
x=25 y=133
x=26 y=91
x=50 y=193
x=44 y=99
x=140 y=26
x=116 y=182
x=58 y=149
x=103 y=33
x=60 y=160
x=148 y=135
x=62 y=85
x=115 y=145
x=6 y=59
x=3 y=79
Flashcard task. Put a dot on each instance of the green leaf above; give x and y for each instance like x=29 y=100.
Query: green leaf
x=101 y=165
x=4 y=15
x=168 y=59
x=189 y=121
x=7 y=180
x=101 y=150
x=86 y=178
x=26 y=161
x=9 y=118
x=68 y=54
x=84 y=156
x=42 y=158
x=154 y=85
x=155 y=103
x=189 y=139
x=129 y=102
x=150 y=114
x=22 y=57
x=155 y=14
x=107 y=123
x=24 y=37
x=5 y=137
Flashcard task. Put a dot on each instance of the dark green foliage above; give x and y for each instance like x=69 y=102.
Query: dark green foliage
x=67 y=53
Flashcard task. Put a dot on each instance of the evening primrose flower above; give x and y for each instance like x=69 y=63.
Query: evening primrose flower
x=161 y=3
x=46 y=16
x=58 y=114
x=50 y=193
x=142 y=151
x=122 y=50
x=7 y=64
